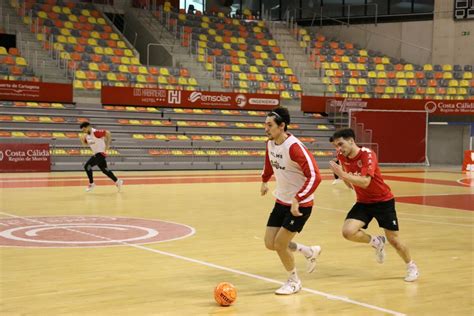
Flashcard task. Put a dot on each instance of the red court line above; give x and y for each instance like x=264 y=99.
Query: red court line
x=456 y=201
x=186 y=175
x=423 y=180
x=102 y=182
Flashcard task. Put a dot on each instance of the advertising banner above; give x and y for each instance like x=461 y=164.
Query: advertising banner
x=25 y=158
x=188 y=99
x=35 y=91
x=315 y=104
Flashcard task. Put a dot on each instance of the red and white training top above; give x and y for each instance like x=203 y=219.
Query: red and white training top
x=96 y=141
x=365 y=164
x=296 y=171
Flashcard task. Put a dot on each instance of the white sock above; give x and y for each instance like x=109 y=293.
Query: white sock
x=374 y=241
x=305 y=250
x=293 y=275
x=411 y=263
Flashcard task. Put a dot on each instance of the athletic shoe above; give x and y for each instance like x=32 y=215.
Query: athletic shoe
x=312 y=259
x=290 y=287
x=119 y=184
x=379 y=250
x=336 y=181
x=90 y=187
x=412 y=272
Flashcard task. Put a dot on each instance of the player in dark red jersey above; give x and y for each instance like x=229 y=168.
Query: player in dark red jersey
x=359 y=169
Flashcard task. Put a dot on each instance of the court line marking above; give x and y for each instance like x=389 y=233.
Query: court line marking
x=466 y=184
x=405 y=219
x=219 y=267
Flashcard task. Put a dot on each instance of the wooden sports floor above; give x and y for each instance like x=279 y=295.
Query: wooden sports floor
x=161 y=245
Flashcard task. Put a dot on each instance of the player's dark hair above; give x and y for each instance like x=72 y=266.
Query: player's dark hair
x=84 y=124
x=280 y=115
x=345 y=133
x=331 y=139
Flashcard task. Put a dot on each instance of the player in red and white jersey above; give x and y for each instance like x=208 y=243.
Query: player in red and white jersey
x=99 y=142
x=297 y=177
x=361 y=172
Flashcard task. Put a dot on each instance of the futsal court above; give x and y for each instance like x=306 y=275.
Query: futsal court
x=161 y=245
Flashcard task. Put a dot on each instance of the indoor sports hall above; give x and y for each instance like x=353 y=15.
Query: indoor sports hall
x=144 y=145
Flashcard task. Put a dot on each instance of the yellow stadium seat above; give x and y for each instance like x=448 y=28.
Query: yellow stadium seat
x=360 y=67
x=128 y=53
x=98 y=50
x=285 y=95
x=235 y=68
x=447 y=75
x=288 y=72
x=182 y=81
x=461 y=91
x=259 y=77
x=467 y=75
x=78 y=84
x=380 y=67
x=227 y=46
x=20 y=61
x=65 y=32
x=464 y=83
x=243 y=76
x=400 y=75
x=42 y=15
x=447 y=67
x=400 y=90
x=65 y=55
x=81 y=75
x=143 y=70
x=125 y=60
x=242 y=61
x=389 y=90
x=92 y=42
x=135 y=61
x=452 y=91
x=381 y=74
x=272 y=86
x=66 y=10
x=408 y=67
x=296 y=87
x=453 y=83
x=243 y=84
x=350 y=89
x=111 y=76
x=141 y=78
x=101 y=21
x=428 y=67
x=162 y=80
x=271 y=70
x=116 y=37
x=402 y=82
x=363 y=53
x=192 y=82
x=209 y=67
x=372 y=74
x=123 y=68
x=61 y=39
x=92 y=20
x=73 y=18
x=362 y=82
x=97 y=85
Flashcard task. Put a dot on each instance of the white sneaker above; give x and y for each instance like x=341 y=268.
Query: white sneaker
x=336 y=181
x=379 y=250
x=412 y=273
x=290 y=287
x=312 y=259
x=90 y=187
x=119 y=184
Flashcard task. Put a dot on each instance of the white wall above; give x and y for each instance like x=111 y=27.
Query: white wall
x=449 y=46
x=409 y=40
x=438 y=41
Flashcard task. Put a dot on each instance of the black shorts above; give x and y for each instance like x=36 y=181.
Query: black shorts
x=384 y=213
x=281 y=217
